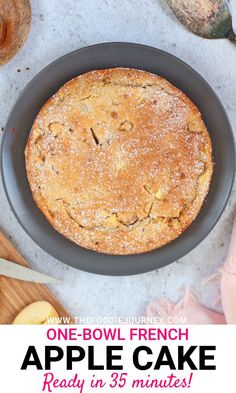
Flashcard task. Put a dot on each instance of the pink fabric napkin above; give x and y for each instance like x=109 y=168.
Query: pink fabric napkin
x=189 y=310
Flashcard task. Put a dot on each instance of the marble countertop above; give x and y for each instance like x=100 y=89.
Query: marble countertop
x=62 y=26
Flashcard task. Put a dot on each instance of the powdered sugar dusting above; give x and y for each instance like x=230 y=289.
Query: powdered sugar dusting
x=119 y=161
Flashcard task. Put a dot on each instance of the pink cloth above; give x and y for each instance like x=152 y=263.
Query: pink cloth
x=228 y=281
x=189 y=310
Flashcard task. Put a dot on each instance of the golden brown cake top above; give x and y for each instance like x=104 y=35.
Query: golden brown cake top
x=119 y=161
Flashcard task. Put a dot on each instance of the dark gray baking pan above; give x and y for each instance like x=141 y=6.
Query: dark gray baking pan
x=48 y=82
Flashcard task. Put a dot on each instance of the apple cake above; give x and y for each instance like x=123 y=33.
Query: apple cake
x=119 y=161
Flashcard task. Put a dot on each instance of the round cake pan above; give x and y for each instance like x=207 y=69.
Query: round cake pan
x=45 y=84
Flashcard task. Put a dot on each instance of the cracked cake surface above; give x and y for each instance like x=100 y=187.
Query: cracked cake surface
x=119 y=161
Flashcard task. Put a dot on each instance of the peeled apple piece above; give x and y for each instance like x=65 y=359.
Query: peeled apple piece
x=37 y=313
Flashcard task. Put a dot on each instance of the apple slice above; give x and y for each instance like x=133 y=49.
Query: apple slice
x=38 y=313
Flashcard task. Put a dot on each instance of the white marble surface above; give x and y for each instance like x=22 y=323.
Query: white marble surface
x=60 y=26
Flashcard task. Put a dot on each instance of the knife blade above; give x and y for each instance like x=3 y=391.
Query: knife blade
x=19 y=272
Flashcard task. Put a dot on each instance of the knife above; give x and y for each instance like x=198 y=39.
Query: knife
x=19 y=272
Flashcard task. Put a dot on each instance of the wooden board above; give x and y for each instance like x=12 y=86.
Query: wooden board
x=16 y=294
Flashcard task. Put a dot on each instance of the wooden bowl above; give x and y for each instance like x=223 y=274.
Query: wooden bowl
x=15 y=21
